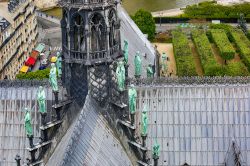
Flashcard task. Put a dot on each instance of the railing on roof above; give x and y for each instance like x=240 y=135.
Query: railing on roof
x=94 y=57
x=84 y=4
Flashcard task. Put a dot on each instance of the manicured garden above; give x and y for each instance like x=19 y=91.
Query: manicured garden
x=221 y=40
x=224 y=49
x=203 y=47
x=243 y=46
x=213 y=10
x=183 y=55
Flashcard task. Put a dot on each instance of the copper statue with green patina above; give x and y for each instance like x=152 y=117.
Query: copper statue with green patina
x=27 y=124
x=59 y=64
x=41 y=100
x=150 y=72
x=125 y=51
x=53 y=78
x=120 y=74
x=132 y=94
x=144 y=121
x=138 y=64
x=164 y=66
x=156 y=150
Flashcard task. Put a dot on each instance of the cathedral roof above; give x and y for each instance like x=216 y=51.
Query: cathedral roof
x=90 y=141
x=137 y=42
x=195 y=124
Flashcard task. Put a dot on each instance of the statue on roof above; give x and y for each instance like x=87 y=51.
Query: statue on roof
x=53 y=78
x=125 y=51
x=28 y=126
x=41 y=100
x=132 y=94
x=150 y=72
x=156 y=150
x=144 y=122
x=164 y=66
x=120 y=73
x=59 y=63
x=138 y=63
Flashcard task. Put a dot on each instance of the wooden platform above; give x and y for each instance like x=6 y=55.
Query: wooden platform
x=62 y=103
x=127 y=123
x=51 y=124
x=39 y=145
x=137 y=145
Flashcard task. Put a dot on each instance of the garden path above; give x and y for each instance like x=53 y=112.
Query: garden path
x=197 y=60
x=168 y=49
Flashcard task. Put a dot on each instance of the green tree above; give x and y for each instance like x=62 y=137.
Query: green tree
x=38 y=75
x=145 y=21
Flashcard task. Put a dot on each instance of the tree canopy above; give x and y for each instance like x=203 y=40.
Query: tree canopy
x=145 y=21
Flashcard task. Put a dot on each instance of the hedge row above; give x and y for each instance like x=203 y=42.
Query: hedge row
x=243 y=46
x=226 y=49
x=214 y=10
x=236 y=69
x=203 y=47
x=183 y=56
x=38 y=75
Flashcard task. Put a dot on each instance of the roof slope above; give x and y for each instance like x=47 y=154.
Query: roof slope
x=91 y=143
x=136 y=40
x=196 y=124
x=13 y=98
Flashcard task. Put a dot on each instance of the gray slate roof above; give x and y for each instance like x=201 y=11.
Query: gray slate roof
x=196 y=124
x=12 y=132
x=90 y=142
x=137 y=42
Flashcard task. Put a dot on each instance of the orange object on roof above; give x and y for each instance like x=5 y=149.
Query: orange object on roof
x=34 y=54
x=30 y=61
x=24 y=69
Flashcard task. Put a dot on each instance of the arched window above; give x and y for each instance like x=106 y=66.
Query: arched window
x=113 y=33
x=78 y=34
x=98 y=28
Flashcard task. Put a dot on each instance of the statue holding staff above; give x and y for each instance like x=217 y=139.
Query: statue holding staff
x=28 y=126
x=41 y=100
x=144 y=122
x=59 y=64
x=164 y=66
x=156 y=152
x=125 y=51
x=138 y=64
x=132 y=94
x=53 y=78
x=41 y=103
x=120 y=73
x=150 y=72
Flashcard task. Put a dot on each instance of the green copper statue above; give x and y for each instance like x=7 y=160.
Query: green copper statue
x=28 y=126
x=59 y=64
x=164 y=66
x=144 y=122
x=125 y=50
x=138 y=63
x=132 y=94
x=120 y=73
x=156 y=150
x=53 y=78
x=41 y=100
x=150 y=73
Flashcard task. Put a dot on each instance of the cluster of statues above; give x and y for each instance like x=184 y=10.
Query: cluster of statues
x=132 y=93
x=41 y=98
x=27 y=117
x=120 y=70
